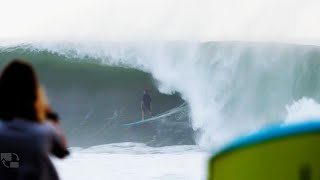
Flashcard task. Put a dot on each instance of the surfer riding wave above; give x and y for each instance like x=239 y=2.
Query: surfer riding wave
x=146 y=106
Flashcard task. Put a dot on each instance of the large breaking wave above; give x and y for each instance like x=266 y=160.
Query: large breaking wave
x=230 y=87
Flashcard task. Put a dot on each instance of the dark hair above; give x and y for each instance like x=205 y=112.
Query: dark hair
x=19 y=92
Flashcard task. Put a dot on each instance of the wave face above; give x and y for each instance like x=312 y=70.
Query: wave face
x=94 y=101
x=230 y=87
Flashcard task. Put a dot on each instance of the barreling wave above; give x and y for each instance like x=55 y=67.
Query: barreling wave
x=230 y=87
x=94 y=101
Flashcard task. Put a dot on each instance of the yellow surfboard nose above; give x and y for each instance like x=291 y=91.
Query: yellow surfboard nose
x=283 y=152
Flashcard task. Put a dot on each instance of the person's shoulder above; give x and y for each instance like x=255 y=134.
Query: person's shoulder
x=41 y=128
x=44 y=130
x=26 y=127
x=47 y=126
x=2 y=125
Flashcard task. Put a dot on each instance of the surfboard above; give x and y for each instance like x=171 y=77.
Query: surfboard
x=285 y=151
x=142 y=121
x=157 y=117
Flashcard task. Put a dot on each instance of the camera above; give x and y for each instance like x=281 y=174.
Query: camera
x=52 y=116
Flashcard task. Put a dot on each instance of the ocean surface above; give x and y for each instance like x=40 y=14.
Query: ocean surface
x=210 y=92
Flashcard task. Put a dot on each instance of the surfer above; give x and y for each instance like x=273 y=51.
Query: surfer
x=146 y=106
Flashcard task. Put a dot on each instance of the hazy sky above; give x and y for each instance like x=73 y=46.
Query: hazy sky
x=267 y=20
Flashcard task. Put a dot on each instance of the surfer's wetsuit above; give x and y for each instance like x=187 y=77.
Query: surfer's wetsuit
x=146 y=103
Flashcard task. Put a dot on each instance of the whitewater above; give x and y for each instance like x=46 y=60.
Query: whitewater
x=221 y=90
x=134 y=161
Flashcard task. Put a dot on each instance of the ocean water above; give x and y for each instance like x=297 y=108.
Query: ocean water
x=212 y=91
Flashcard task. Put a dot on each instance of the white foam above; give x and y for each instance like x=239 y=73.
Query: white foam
x=110 y=162
x=303 y=109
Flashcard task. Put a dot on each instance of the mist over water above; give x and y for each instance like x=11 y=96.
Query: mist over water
x=294 y=21
x=230 y=87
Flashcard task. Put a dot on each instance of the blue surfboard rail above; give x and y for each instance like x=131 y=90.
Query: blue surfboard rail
x=270 y=133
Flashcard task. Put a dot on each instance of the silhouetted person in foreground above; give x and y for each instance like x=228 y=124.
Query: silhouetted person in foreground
x=27 y=136
x=146 y=106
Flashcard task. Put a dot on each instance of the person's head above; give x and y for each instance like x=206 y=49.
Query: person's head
x=145 y=91
x=20 y=93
